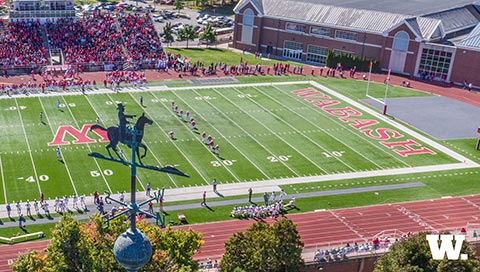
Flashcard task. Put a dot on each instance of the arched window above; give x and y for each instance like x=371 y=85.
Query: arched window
x=400 y=41
x=247 y=27
x=248 y=17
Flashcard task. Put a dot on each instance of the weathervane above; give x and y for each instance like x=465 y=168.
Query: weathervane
x=132 y=248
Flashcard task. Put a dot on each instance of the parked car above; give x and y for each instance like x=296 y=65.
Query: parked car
x=183 y=15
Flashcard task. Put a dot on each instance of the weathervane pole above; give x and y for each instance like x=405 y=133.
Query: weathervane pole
x=132 y=249
x=133 y=180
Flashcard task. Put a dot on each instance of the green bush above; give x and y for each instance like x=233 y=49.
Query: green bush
x=349 y=61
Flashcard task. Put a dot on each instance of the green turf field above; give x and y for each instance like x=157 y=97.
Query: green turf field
x=264 y=132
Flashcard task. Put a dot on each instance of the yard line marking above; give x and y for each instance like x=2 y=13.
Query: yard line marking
x=250 y=135
x=178 y=148
x=347 y=128
x=88 y=145
x=28 y=146
x=295 y=129
x=63 y=158
x=275 y=134
x=329 y=134
x=3 y=181
x=220 y=133
x=153 y=154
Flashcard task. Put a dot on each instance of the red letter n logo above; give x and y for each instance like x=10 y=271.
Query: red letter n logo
x=80 y=136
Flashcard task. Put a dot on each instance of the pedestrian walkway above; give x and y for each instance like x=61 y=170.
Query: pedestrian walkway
x=212 y=200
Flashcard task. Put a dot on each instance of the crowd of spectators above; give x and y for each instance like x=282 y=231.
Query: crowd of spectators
x=94 y=39
x=141 y=40
x=21 y=44
x=336 y=254
x=117 y=79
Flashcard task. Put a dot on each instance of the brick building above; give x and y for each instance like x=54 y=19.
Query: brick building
x=437 y=39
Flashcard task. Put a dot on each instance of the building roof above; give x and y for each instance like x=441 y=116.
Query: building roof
x=424 y=27
x=406 y=7
x=456 y=18
x=473 y=39
x=359 y=19
x=374 y=16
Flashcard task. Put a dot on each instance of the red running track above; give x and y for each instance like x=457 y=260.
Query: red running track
x=329 y=228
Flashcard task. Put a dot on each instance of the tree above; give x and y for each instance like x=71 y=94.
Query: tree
x=208 y=34
x=178 y=5
x=264 y=248
x=186 y=34
x=31 y=261
x=167 y=33
x=67 y=246
x=89 y=247
x=413 y=254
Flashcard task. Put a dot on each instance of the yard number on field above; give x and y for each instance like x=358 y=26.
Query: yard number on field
x=245 y=95
x=156 y=100
x=96 y=173
x=279 y=158
x=41 y=178
x=224 y=162
x=206 y=97
x=114 y=102
x=14 y=108
x=333 y=154
x=71 y=105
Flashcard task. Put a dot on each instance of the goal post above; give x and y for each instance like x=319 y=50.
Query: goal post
x=379 y=100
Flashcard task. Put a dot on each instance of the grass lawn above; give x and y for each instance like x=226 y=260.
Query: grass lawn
x=222 y=55
x=265 y=132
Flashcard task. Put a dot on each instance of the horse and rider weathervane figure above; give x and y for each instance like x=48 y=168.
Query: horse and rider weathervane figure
x=132 y=249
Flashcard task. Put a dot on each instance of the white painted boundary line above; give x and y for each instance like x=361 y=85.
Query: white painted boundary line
x=53 y=134
x=221 y=134
x=348 y=129
x=258 y=141
x=300 y=132
x=153 y=88
x=153 y=154
x=3 y=181
x=175 y=144
x=88 y=146
x=28 y=146
x=380 y=116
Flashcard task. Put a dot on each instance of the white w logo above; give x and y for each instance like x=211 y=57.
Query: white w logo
x=446 y=246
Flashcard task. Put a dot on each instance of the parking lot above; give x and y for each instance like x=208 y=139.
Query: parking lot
x=198 y=20
x=162 y=14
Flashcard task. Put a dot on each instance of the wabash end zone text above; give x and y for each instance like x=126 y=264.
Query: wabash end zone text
x=349 y=115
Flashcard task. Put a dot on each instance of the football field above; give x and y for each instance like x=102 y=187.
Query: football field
x=264 y=132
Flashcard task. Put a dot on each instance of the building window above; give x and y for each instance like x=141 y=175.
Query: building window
x=295 y=27
x=400 y=41
x=292 y=50
x=317 y=54
x=341 y=52
x=320 y=31
x=248 y=17
x=345 y=35
x=434 y=63
x=247 y=27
